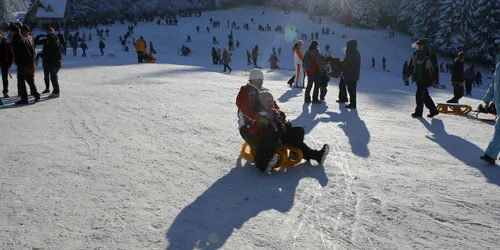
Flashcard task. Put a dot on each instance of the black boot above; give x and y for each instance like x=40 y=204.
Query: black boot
x=487 y=159
x=321 y=155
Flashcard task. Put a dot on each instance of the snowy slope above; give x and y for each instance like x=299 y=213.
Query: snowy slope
x=147 y=156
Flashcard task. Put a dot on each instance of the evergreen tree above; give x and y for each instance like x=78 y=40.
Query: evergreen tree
x=444 y=38
x=366 y=13
x=486 y=40
x=342 y=11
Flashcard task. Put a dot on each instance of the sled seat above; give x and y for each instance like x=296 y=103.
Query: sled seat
x=283 y=155
x=452 y=108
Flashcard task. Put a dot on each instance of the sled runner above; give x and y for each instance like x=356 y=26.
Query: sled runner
x=485 y=114
x=482 y=116
x=451 y=108
x=285 y=155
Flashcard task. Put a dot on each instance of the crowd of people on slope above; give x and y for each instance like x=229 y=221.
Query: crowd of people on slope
x=21 y=51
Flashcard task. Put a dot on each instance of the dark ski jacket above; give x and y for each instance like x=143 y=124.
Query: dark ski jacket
x=6 y=55
x=52 y=50
x=457 y=71
x=429 y=73
x=352 y=62
x=23 y=50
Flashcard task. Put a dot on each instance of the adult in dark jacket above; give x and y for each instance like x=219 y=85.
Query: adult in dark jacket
x=314 y=72
x=469 y=78
x=63 y=41
x=424 y=70
x=405 y=68
x=457 y=78
x=226 y=59
x=51 y=60
x=101 y=47
x=350 y=76
x=23 y=57
x=6 y=58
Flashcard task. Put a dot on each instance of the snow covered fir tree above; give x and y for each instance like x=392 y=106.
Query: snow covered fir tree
x=451 y=26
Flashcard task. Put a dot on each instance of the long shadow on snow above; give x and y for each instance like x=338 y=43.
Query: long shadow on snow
x=463 y=150
x=289 y=94
x=209 y=221
x=354 y=128
x=307 y=119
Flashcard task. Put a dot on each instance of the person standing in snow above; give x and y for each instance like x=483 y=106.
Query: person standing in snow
x=141 y=48
x=74 y=45
x=384 y=61
x=424 y=70
x=214 y=56
x=51 y=61
x=279 y=51
x=101 y=47
x=6 y=58
x=298 y=57
x=405 y=69
x=84 y=47
x=493 y=95
x=249 y=58
x=274 y=61
x=457 y=78
x=350 y=76
x=226 y=59
x=373 y=62
x=219 y=56
x=314 y=67
x=255 y=55
x=263 y=139
x=469 y=78
x=151 y=48
x=23 y=56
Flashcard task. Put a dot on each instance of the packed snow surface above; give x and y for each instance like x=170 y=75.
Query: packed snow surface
x=146 y=156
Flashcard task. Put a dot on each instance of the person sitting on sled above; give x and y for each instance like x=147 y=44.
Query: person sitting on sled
x=255 y=129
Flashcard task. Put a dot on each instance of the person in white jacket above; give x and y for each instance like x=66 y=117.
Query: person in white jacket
x=493 y=95
x=298 y=57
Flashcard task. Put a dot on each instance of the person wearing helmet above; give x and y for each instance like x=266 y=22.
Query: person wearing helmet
x=264 y=140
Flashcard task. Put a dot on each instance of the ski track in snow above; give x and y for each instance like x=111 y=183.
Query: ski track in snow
x=147 y=156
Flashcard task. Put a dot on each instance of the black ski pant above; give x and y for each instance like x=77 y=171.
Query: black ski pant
x=351 y=87
x=422 y=98
x=46 y=76
x=26 y=73
x=5 y=79
x=226 y=66
x=313 y=80
x=254 y=62
x=343 y=90
x=140 y=56
x=54 y=78
x=458 y=91
x=102 y=52
x=266 y=144
x=468 y=86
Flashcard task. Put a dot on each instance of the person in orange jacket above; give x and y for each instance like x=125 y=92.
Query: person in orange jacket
x=264 y=140
x=141 y=48
x=255 y=54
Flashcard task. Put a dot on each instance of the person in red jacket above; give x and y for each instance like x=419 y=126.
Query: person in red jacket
x=263 y=139
x=6 y=58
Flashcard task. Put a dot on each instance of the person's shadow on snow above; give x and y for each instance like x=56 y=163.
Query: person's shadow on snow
x=307 y=119
x=354 y=128
x=463 y=150
x=289 y=94
x=209 y=221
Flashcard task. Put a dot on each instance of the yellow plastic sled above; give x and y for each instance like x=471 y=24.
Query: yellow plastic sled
x=283 y=155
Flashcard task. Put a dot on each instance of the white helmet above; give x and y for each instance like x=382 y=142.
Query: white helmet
x=256 y=74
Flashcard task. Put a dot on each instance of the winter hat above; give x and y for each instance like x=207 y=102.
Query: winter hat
x=266 y=99
x=256 y=75
x=50 y=30
x=26 y=28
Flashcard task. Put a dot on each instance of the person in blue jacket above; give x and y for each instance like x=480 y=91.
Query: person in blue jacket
x=493 y=95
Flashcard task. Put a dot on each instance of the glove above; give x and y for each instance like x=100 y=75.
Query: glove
x=263 y=120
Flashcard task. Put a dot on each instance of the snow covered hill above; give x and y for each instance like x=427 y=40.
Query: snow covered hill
x=146 y=156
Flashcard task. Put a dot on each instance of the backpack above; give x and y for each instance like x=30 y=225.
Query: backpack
x=307 y=63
